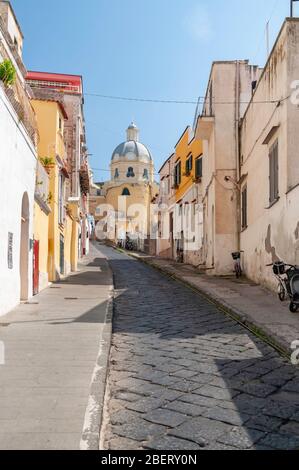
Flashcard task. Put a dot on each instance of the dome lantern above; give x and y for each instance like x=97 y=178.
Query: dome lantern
x=133 y=133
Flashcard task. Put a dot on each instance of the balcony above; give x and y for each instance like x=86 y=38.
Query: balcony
x=12 y=47
x=204 y=128
x=19 y=100
x=42 y=195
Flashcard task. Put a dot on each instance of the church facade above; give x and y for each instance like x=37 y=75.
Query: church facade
x=122 y=205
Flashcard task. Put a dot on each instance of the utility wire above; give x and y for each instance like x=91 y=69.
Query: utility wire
x=202 y=100
x=142 y=100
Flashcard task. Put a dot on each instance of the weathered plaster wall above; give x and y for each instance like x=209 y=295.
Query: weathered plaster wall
x=17 y=176
x=272 y=232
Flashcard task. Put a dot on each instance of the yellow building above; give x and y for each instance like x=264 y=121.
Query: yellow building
x=127 y=197
x=188 y=163
x=62 y=253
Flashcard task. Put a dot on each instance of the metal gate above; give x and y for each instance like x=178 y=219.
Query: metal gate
x=35 y=267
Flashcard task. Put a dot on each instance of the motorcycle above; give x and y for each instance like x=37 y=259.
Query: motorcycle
x=129 y=245
x=237 y=263
x=288 y=283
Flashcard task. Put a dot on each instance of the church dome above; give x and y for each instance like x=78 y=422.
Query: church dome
x=132 y=150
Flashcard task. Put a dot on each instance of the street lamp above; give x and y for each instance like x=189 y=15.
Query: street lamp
x=292 y=7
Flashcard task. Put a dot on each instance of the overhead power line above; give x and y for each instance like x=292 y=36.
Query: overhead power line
x=142 y=100
x=200 y=100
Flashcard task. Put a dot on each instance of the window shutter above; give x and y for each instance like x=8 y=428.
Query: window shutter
x=273 y=173
x=198 y=168
x=180 y=172
x=276 y=168
x=244 y=208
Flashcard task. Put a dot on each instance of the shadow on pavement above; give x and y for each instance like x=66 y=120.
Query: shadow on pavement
x=243 y=384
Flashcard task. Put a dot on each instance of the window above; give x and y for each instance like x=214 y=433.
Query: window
x=116 y=174
x=178 y=174
x=145 y=174
x=60 y=123
x=198 y=168
x=244 y=208
x=99 y=192
x=189 y=165
x=126 y=192
x=130 y=173
x=273 y=173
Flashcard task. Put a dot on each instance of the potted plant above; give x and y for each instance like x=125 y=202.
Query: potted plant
x=7 y=72
x=47 y=163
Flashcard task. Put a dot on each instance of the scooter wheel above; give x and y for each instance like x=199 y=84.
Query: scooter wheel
x=293 y=307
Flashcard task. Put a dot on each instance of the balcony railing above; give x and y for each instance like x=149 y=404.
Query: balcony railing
x=58 y=86
x=42 y=194
x=21 y=105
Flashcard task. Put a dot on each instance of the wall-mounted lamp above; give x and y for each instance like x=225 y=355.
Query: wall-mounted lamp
x=229 y=179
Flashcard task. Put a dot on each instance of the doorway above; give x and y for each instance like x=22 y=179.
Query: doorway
x=24 y=249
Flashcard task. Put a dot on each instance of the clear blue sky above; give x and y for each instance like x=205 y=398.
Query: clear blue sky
x=146 y=49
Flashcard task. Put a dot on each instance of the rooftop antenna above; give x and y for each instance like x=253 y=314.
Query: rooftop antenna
x=292 y=7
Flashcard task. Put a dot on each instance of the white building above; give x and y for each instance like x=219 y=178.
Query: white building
x=230 y=87
x=269 y=162
x=18 y=166
x=249 y=128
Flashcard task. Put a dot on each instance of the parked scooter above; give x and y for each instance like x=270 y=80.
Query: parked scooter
x=129 y=244
x=288 y=283
x=237 y=263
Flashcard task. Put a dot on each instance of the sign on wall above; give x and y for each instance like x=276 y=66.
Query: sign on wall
x=10 y=251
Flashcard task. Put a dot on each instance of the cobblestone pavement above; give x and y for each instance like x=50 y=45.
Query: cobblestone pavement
x=183 y=376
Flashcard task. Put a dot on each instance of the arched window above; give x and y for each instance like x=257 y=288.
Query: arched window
x=145 y=174
x=130 y=173
x=116 y=174
x=126 y=192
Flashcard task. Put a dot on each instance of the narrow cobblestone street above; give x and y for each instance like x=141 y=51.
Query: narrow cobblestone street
x=183 y=376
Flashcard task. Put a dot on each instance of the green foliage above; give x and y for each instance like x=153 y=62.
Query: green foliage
x=49 y=198
x=46 y=161
x=7 y=72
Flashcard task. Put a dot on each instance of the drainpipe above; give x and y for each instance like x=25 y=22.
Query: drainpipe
x=237 y=139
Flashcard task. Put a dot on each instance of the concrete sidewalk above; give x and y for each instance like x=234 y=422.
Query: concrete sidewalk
x=254 y=306
x=56 y=351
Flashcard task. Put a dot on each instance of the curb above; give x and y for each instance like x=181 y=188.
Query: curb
x=90 y=440
x=260 y=331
